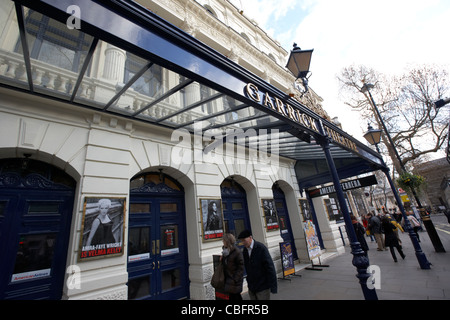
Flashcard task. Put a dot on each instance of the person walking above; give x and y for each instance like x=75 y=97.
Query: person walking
x=261 y=274
x=233 y=263
x=415 y=224
x=391 y=239
x=375 y=229
x=397 y=227
x=365 y=221
x=360 y=234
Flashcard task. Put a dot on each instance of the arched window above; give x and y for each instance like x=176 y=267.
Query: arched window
x=155 y=182
x=210 y=10
x=246 y=37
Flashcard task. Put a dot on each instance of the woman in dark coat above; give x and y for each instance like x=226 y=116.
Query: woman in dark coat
x=233 y=263
x=360 y=234
x=390 y=238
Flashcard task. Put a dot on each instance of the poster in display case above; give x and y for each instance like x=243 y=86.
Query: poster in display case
x=270 y=214
x=102 y=227
x=212 y=219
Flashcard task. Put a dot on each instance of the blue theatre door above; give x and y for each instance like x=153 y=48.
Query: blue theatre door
x=235 y=210
x=283 y=218
x=36 y=202
x=157 y=245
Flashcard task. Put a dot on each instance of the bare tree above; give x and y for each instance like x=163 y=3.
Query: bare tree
x=406 y=104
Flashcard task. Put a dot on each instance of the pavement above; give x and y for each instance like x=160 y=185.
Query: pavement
x=404 y=280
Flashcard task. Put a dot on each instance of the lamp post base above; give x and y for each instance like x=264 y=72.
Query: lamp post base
x=361 y=262
x=432 y=233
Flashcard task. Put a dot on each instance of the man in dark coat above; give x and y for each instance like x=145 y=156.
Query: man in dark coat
x=261 y=274
x=376 y=229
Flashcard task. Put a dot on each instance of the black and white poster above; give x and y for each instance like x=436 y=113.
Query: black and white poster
x=270 y=214
x=102 y=227
x=212 y=219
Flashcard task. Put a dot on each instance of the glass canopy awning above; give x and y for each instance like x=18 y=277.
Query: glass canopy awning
x=124 y=60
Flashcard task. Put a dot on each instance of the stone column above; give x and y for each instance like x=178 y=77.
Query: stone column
x=114 y=68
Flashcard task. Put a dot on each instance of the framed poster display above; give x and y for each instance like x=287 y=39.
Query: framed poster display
x=305 y=210
x=212 y=219
x=270 y=214
x=333 y=210
x=102 y=227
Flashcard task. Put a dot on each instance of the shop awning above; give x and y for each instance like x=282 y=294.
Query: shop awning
x=211 y=93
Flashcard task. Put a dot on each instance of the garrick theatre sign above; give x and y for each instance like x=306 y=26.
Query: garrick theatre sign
x=286 y=110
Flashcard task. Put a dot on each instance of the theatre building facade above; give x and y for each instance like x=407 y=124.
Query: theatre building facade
x=128 y=147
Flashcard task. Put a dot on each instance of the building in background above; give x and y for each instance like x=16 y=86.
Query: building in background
x=436 y=189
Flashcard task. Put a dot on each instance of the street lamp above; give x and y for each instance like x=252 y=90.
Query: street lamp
x=429 y=226
x=373 y=136
x=441 y=103
x=298 y=63
x=438 y=104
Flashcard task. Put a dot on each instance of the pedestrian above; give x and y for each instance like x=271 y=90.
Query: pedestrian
x=447 y=214
x=391 y=239
x=360 y=234
x=233 y=266
x=397 y=227
x=415 y=224
x=365 y=221
x=397 y=215
x=261 y=274
x=376 y=229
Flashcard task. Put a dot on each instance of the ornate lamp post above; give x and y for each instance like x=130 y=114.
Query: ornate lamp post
x=373 y=136
x=438 y=104
x=360 y=259
x=429 y=226
x=441 y=103
x=298 y=63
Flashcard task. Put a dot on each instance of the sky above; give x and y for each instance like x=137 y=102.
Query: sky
x=386 y=35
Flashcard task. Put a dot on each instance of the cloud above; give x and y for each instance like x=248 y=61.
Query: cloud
x=266 y=12
x=385 y=35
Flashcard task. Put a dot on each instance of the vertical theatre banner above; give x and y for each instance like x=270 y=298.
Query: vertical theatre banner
x=312 y=240
x=287 y=259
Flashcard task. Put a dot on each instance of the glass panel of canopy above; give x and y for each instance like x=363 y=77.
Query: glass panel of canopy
x=71 y=65
x=44 y=56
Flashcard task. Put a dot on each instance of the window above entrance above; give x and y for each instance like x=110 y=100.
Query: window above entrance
x=23 y=172
x=155 y=182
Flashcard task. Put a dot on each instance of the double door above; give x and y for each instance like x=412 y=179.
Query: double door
x=235 y=214
x=157 y=253
x=283 y=218
x=34 y=234
x=234 y=205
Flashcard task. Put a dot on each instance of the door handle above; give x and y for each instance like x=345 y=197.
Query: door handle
x=157 y=247
x=153 y=265
x=153 y=247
